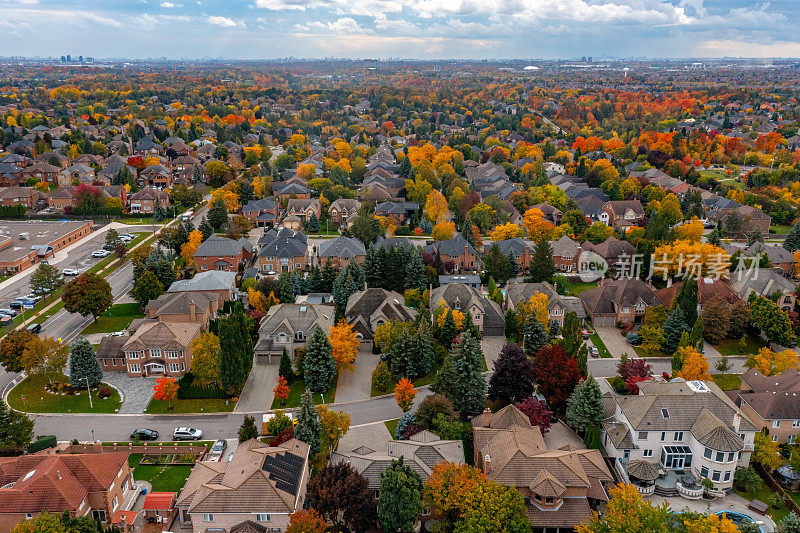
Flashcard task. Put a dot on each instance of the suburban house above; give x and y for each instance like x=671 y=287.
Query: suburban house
x=75 y=174
x=157 y=176
x=370 y=308
x=472 y=280
x=194 y=307
x=221 y=253
x=27 y=196
x=62 y=197
x=551 y=214
x=341 y=251
x=457 y=251
x=673 y=434
x=520 y=249
x=750 y=218
x=561 y=481
x=42 y=172
x=261 y=212
x=343 y=210
x=145 y=201
x=558 y=306
x=304 y=208
x=782 y=259
x=486 y=314
x=285 y=190
x=288 y=326
x=254 y=492
x=151 y=348
x=772 y=403
x=92 y=484
x=565 y=254
x=147 y=147
x=615 y=252
x=282 y=250
x=421 y=452
x=764 y=282
x=221 y=283
x=624 y=213
x=399 y=211
x=707 y=288
x=615 y=301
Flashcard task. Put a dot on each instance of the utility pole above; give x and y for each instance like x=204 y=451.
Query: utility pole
x=89 y=391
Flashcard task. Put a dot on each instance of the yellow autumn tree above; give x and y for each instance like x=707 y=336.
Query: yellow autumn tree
x=509 y=230
x=771 y=363
x=697 y=259
x=306 y=171
x=695 y=366
x=344 y=345
x=418 y=189
x=538 y=305
x=190 y=247
x=436 y=207
x=691 y=231
x=535 y=224
x=796 y=257
x=257 y=300
x=443 y=230
x=228 y=197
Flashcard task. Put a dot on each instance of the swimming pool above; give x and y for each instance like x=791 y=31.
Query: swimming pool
x=737 y=518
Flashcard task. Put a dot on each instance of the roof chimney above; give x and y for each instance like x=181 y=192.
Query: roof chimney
x=192 y=311
x=487 y=417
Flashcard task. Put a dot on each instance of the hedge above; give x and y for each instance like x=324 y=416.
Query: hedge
x=43 y=442
x=187 y=390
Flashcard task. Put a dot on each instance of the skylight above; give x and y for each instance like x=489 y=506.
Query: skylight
x=29 y=475
x=665 y=413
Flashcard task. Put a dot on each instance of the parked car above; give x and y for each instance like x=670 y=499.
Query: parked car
x=101 y=253
x=9 y=312
x=585 y=334
x=34 y=328
x=70 y=272
x=126 y=237
x=144 y=434
x=219 y=446
x=593 y=351
x=16 y=304
x=184 y=433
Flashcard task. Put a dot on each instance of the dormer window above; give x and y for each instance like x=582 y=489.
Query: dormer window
x=664 y=413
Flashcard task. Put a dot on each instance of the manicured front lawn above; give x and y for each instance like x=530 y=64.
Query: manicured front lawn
x=601 y=347
x=391 y=425
x=732 y=346
x=117 y=318
x=779 y=229
x=574 y=289
x=30 y=396
x=727 y=381
x=163 y=478
x=296 y=390
x=641 y=352
x=190 y=406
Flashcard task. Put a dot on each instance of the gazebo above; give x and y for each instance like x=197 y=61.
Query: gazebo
x=642 y=473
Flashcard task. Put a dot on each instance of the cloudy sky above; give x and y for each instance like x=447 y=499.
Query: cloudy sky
x=432 y=29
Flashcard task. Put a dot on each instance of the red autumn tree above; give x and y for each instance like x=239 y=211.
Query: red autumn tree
x=306 y=521
x=537 y=412
x=166 y=388
x=281 y=390
x=557 y=374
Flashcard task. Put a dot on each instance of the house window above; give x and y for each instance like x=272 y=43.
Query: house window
x=208 y=517
x=796 y=423
x=99 y=514
x=677 y=457
x=263 y=517
x=174 y=367
x=134 y=368
x=720 y=457
x=663 y=436
x=776 y=423
x=642 y=435
x=731 y=455
x=282 y=338
x=715 y=475
x=727 y=476
x=28 y=516
x=707 y=453
x=155 y=353
x=774 y=438
x=678 y=436
x=116 y=503
x=792 y=439
x=704 y=472
x=648 y=453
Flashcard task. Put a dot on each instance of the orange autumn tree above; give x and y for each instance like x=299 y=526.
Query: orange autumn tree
x=344 y=345
x=257 y=300
x=404 y=394
x=306 y=521
x=538 y=305
x=695 y=366
x=190 y=247
x=502 y=232
x=771 y=363
x=535 y=224
x=443 y=231
x=281 y=390
x=165 y=389
x=692 y=258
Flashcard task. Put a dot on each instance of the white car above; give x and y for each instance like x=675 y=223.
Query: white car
x=101 y=253
x=70 y=272
x=184 y=433
x=126 y=237
x=593 y=351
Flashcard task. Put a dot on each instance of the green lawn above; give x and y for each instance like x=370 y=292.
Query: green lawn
x=30 y=396
x=601 y=347
x=164 y=478
x=779 y=229
x=763 y=494
x=641 y=352
x=117 y=318
x=296 y=390
x=731 y=346
x=727 y=381
x=190 y=406
x=391 y=425
x=574 y=289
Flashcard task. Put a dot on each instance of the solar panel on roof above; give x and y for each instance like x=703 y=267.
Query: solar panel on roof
x=285 y=470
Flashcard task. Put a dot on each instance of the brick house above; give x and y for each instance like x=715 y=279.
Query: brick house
x=144 y=201
x=551 y=214
x=624 y=213
x=42 y=172
x=221 y=253
x=261 y=212
x=27 y=196
x=94 y=484
x=282 y=250
x=341 y=251
x=153 y=348
x=487 y=315
x=764 y=282
x=520 y=249
x=157 y=176
x=458 y=251
x=193 y=307
x=304 y=208
x=565 y=254
x=343 y=210
x=288 y=327
x=771 y=403
x=62 y=197
x=289 y=191
x=618 y=300
x=223 y=284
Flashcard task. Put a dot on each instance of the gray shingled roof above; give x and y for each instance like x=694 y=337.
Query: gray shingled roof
x=344 y=247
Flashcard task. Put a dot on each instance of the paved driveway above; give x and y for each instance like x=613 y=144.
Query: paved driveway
x=615 y=343
x=137 y=392
x=491 y=349
x=356 y=384
x=257 y=393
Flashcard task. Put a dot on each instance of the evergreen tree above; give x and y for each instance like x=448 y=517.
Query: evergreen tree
x=229 y=354
x=349 y=280
x=424 y=356
x=313 y=224
x=687 y=301
x=469 y=325
x=792 y=240
x=571 y=334
x=285 y=367
x=319 y=366
x=400 y=497
x=513 y=266
x=401 y=357
x=541 y=267
x=415 y=272
x=316 y=280
x=582 y=358
x=673 y=327
x=468 y=364
x=511 y=325
x=16 y=431
x=534 y=336
x=448 y=331
x=246 y=192
x=372 y=268
x=217 y=214
x=696 y=336
x=83 y=364
x=159 y=213
x=248 y=429
x=285 y=288
x=308 y=427
x=205 y=228
x=328 y=276
x=466 y=230
x=584 y=407
x=513 y=379
x=445 y=381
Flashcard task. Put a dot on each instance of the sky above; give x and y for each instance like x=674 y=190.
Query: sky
x=416 y=29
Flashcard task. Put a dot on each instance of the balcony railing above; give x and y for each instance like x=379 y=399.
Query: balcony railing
x=689 y=493
x=646 y=491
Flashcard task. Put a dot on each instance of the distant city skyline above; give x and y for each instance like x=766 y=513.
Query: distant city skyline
x=403 y=29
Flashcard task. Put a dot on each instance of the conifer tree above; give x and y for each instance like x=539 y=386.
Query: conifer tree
x=319 y=366
x=468 y=364
x=534 y=336
x=687 y=301
x=513 y=379
x=372 y=268
x=584 y=407
x=83 y=364
x=448 y=331
x=542 y=267
x=415 y=272
x=285 y=367
x=673 y=327
x=308 y=427
x=445 y=381
x=466 y=230
x=792 y=240
x=424 y=356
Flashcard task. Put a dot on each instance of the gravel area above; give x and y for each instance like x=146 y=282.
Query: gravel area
x=136 y=392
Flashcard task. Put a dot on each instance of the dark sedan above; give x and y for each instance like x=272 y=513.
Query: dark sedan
x=144 y=434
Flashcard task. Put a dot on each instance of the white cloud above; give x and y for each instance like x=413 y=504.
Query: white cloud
x=99 y=19
x=287 y=5
x=169 y=5
x=225 y=22
x=345 y=25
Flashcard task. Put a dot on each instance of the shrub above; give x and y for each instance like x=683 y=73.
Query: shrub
x=41 y=443
x=618 y=384
x=286 y=435
x=382 y=377
x=432 y=406
x=278 y=423
x=632 y=338
x=104 y=392
x=747 y=480
x=406 y=420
